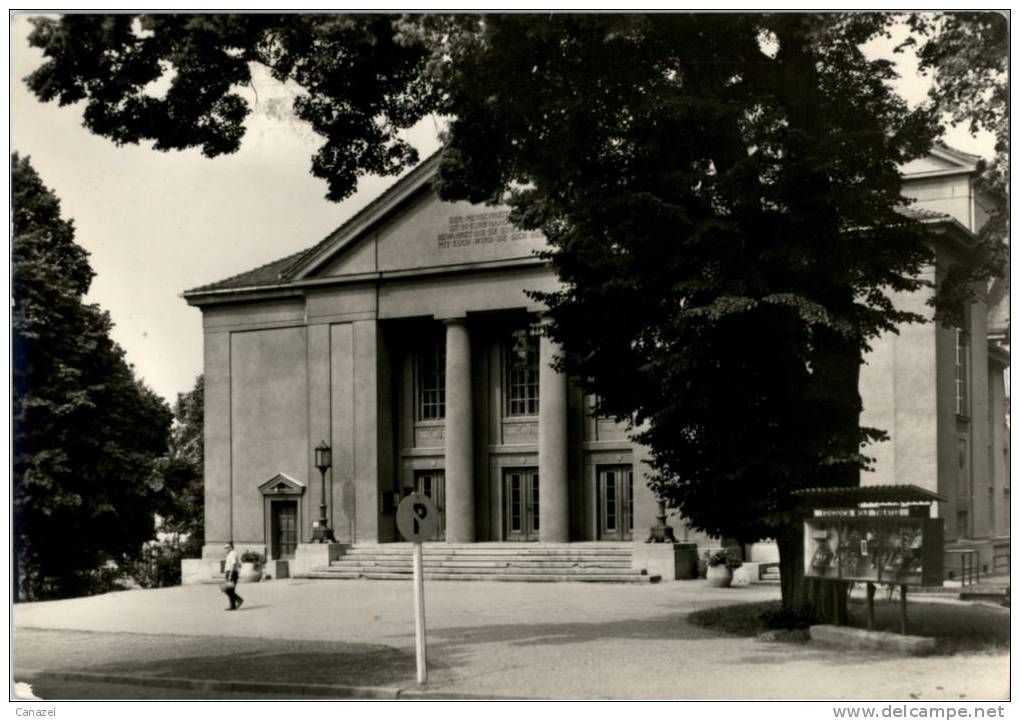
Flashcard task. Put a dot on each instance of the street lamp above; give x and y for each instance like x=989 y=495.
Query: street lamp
x=322 y=533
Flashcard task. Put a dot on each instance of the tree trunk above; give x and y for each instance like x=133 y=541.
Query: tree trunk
x=791 y=569
x=822 y=600
x=837 y=370
x=15 y=581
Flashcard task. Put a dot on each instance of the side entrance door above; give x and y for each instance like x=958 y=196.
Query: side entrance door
x=521 y=503
x=284 y=529
x=616 y=504
x=432 y=483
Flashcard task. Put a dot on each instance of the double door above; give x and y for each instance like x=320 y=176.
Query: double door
x=284 y=529
x=616 y=503
x=520 y=493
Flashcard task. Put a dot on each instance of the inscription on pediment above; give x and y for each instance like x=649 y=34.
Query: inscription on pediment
x=481 y=229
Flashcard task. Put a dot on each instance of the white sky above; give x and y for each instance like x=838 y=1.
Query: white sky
x=157 y=224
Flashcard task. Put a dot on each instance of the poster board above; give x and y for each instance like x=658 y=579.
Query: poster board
x=876 y=545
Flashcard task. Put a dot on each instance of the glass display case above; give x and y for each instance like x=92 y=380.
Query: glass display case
x=873 y=546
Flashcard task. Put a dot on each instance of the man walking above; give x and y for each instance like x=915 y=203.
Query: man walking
x=230 y=567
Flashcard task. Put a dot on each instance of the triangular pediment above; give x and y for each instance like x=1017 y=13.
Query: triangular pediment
x=282 y=485
x=409 y=228
x=940 y=161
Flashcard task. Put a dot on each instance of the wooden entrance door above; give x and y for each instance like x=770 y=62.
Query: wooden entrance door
x=616 y=503
x=284 y=529
x=432 y=483
x=521 y=504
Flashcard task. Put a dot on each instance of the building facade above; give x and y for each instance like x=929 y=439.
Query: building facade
x=407 y=342
x=940 y=392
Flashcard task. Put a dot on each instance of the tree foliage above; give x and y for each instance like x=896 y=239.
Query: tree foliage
x=177 y=476
x=967 y=53
x=85 y=430
x=175 y=80
x=719 y=191
x=720 y=194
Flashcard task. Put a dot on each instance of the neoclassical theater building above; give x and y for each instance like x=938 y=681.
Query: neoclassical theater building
x=405 y=341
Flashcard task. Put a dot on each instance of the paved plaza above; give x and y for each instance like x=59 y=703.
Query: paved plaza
x=488 y=639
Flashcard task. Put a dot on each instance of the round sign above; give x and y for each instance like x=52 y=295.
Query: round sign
x=417 y=518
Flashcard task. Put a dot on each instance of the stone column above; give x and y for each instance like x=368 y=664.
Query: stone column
x=460 y=477
x=554 y=501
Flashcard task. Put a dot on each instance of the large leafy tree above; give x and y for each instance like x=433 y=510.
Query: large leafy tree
x=85 y=430
x=719 y=191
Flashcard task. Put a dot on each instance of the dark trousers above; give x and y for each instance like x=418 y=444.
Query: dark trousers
x=232 y=594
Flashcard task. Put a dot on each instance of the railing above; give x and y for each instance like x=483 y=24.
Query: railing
x=968 y=565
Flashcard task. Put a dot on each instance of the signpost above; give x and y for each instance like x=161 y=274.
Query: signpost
x=417 y=520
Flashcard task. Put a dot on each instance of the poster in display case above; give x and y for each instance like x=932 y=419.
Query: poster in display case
x=874 y=545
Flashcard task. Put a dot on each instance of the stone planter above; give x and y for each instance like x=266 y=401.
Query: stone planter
x=250 y=573
x=719 y=576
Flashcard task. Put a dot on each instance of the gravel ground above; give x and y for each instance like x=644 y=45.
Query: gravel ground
x=573 y=641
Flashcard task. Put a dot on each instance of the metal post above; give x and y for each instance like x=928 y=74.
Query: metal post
x=903 y=610
x=323 y=522
x=871 y=606
x=419 y=616
x=322 y=533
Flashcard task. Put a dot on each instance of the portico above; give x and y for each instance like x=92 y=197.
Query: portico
x=490 y=430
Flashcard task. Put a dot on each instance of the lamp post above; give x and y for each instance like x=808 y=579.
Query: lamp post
x=322 y=533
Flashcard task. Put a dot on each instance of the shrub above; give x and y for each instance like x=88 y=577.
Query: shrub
x=253 y=557
x=159 y=565
x=729 y=557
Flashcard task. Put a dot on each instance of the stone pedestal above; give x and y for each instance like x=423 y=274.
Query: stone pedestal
x=201 y=570
x=554 y=501
x=671 y=561
x=748 y=573
x=208 y=568
x=460 y=494
x=313 y=556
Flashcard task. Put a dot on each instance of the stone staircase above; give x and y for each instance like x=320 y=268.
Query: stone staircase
x=769 y=573
x=588 y=562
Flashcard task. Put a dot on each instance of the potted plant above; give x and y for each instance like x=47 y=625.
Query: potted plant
x=720 y=567
x=251 y=566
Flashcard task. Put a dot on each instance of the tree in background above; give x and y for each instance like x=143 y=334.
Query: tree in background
x=719 y=191
x=85 y=430
x=177 y=479
x=967 y=54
